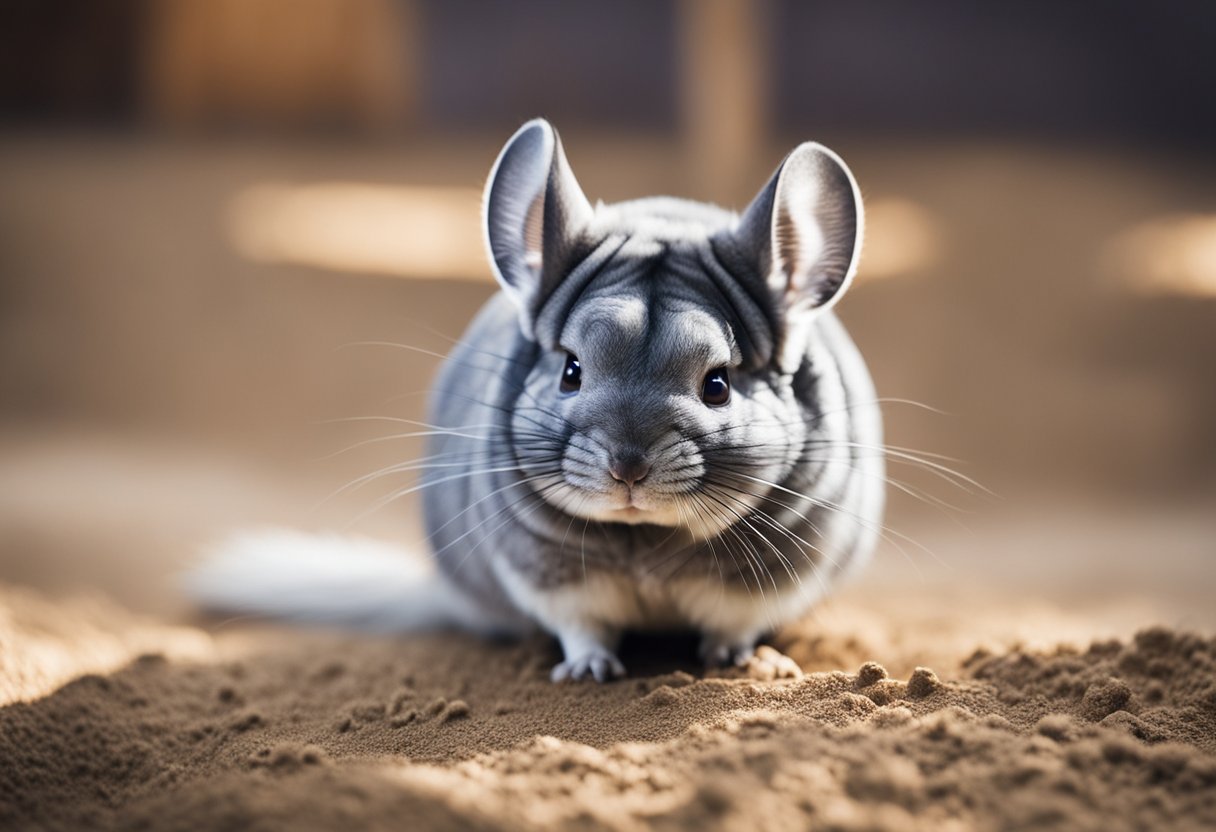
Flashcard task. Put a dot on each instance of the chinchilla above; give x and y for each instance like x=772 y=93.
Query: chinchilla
x=658 y=422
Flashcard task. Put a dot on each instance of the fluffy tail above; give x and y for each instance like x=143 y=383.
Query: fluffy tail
x=327 y=579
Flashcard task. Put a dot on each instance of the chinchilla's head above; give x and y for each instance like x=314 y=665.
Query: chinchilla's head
x=672 y=336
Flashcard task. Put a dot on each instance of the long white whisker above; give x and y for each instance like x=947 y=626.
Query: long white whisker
x=753 y=559
x=802 y=543
x=944 y=471
x=528 y=494
x=877 y=528
x=780 y=555
x=417 y=434
x=398 y=494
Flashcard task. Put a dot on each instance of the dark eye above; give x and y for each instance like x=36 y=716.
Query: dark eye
x=572 y=374
x=715 y=391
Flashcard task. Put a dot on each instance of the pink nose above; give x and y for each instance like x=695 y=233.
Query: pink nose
x=629 y=469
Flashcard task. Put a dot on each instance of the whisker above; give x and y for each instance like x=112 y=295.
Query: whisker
x=528 y=493
x=398 y=494
x=877 y=528
x=780 y=555
x=790 y=535
x=481 y=500
x=897 y=455
x=753 y=559
x=424 y=464
x=710 y=542
x=418 y=434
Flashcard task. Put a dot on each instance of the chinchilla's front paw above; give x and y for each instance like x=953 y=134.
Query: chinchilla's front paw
x=716 y=651
x=597 y=663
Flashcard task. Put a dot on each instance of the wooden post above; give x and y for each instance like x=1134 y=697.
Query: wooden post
x=723 y=89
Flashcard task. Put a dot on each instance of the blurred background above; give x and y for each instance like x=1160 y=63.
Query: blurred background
x=204 y=204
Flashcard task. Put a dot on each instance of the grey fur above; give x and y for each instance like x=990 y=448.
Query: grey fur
x=766 y=500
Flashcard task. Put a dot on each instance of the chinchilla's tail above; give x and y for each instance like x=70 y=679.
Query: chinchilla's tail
x=328 y=579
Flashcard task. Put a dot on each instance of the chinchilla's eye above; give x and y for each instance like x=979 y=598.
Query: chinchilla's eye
x=572 y=374
x=715 y=390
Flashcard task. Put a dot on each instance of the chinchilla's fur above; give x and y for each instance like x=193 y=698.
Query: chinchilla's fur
x=658 y=422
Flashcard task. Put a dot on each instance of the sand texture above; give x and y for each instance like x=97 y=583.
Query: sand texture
x=242 y=726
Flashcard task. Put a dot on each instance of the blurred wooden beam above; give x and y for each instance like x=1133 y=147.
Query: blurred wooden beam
x=724 y=83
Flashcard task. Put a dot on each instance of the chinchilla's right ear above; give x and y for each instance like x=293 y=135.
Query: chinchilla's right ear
x=534 y=216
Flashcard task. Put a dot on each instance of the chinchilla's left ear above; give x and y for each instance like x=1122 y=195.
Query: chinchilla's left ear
x=534 y=216
x=803 y=231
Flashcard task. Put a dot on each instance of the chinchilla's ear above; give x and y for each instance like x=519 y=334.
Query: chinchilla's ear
x=803 y=231
x=535 y=213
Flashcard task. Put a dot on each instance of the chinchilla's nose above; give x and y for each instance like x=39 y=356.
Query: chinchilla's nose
x=629 y=466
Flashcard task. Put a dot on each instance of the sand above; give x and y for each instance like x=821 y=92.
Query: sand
x=238 y=725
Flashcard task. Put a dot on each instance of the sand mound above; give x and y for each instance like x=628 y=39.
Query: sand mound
x=272 y=728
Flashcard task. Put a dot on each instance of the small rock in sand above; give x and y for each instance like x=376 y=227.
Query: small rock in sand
x=923 y=682
x=1103 y=698
x=870 y=673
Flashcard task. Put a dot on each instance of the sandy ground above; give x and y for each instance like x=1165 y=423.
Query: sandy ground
x=237 y=726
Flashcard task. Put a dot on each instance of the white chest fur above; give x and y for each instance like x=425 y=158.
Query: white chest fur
x=616 y=602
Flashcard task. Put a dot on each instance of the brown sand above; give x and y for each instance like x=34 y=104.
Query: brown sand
x=254 y=727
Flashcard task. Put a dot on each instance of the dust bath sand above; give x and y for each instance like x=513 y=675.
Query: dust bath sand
x=269 y=728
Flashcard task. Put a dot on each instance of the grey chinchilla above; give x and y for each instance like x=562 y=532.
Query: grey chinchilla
x=657 y=422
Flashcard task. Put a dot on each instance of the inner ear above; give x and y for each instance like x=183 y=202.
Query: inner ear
x=534 y=234
x=805 y=230
x=535 y=213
